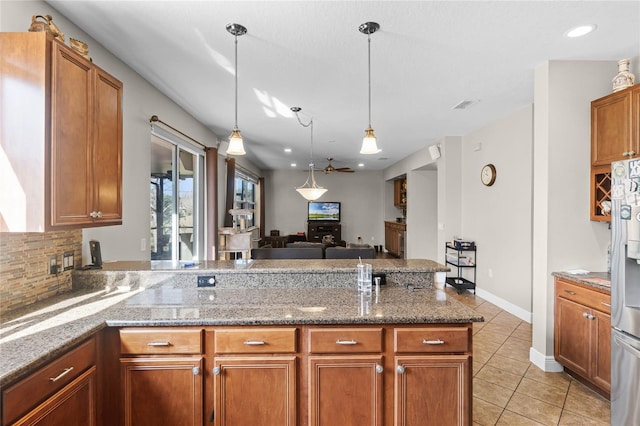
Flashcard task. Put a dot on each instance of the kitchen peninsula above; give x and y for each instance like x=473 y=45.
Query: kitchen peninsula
x=307 y=347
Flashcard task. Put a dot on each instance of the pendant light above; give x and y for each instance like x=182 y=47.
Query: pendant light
x=369 y=144
x=236 y=147
x=310 y=189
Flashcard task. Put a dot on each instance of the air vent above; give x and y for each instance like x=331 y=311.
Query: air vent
x=463 y=105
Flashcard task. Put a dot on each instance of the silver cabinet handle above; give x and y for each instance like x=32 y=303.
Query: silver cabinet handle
x=217 y=371
x=573 y=293
x=61 y=375
x=159 y=344
x=585 y=314
x=592 y=317
x=608 y=305
x=195 y=371
x=346 y=342
x=379 y=368
x=433 y=342
x=400 y=369
x=254 y=342
x=631 y=153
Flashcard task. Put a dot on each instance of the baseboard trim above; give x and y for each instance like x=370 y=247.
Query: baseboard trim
x=548 y=364
x=505 y=305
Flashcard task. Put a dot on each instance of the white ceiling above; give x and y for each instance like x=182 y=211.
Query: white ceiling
x=427 y=57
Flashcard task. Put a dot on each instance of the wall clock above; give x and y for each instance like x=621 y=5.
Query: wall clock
x=488 y=174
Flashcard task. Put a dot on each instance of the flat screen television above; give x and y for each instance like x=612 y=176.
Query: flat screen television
x=323 y=211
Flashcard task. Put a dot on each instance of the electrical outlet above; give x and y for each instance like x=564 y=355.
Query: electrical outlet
x=53 y=265
x=206 y=281
x=67 y=261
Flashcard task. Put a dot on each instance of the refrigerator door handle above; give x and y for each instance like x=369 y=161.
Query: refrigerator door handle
x=630 y=348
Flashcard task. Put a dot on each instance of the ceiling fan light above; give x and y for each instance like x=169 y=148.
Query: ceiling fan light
x=236 y=147
x=369 y=143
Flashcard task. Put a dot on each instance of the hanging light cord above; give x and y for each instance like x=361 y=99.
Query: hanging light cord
x=369 y=66
x=236 y=73
x=311 y=165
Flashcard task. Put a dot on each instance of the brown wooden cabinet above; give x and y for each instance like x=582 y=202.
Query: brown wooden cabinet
x=615 y=135
x=400 y=193
x=62 y=392
x=255 y=376
x=62 y=137
x=582 y=341
x=345 y=376
x=316 y=231
x=394 y=234
x=162 y=376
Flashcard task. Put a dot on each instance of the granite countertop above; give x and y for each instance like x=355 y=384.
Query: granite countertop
x=32 y=336
x=598 y=280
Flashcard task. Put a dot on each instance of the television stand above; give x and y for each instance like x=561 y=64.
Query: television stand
x=317 y=230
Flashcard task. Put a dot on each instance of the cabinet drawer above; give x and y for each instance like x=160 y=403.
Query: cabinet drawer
x=345 y=340
x=432 y=340
x=585 y=296
x=26 y=394
x=158 y=341
x=255 y=340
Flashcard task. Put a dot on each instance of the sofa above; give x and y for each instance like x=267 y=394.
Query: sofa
x=302 y=250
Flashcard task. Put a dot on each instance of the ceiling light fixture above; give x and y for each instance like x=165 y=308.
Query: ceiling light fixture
x=581 y=30
x=236 y=147
x=369 y=143
x=310 y=189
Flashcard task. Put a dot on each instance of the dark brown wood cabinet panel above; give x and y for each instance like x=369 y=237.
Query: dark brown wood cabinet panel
x=582 y=332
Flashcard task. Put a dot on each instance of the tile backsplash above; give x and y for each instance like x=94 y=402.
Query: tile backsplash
x=24 y=266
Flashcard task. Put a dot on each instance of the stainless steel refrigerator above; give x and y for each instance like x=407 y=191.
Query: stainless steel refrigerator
x=625 y=293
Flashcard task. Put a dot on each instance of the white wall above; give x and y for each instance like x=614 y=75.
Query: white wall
x=422 y=216
x=449 y=192
x=498 y=218
x=361 y=193
x=564 y=237
x=140 y=102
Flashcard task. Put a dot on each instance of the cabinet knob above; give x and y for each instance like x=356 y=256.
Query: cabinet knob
x=585 y=314
x=217 y=371
x=400 y=369
x=95 y=215
x=195 y=371
x=624 y=154
x=631 y=153
x=379 y=368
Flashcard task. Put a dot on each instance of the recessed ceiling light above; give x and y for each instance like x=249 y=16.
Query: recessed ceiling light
x=287 y=150
x=294 y=165
x=360 y=164
x=581 y=30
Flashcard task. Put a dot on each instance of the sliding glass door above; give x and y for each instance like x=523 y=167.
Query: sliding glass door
x=176 y=203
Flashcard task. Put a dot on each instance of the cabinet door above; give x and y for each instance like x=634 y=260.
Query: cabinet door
x=345 y=390
x=162 y=391
x=601 y=351
x=255 y=390
x=73 y=405
x=107 y=149
x=635 y=108
x=71 y=133
x=611 y=130
x=432 y=390
x=572 y=336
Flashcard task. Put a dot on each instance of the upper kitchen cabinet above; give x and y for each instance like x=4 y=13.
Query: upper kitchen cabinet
x=62 y=137
x=400 y=193
x=615 y=135
x=614 y=127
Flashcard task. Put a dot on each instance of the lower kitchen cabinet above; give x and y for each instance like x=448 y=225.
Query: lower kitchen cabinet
x=162 y=376
x=255 y=390
x=582 y=342
x=254 y=376
x=160 y=391
x=61 y=393
x=346 y=390
x=432 y=390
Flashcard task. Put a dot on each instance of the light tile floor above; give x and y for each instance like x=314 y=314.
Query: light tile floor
x=510 y=390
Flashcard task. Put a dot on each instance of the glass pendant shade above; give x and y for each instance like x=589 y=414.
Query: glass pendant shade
x=311 y=191
x=236 y=147
x=369 y=144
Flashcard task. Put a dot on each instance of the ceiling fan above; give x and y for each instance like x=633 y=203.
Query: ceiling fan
x=331 y=169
